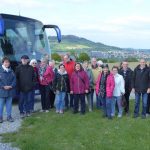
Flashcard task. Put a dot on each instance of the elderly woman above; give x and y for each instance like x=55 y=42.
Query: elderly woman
x=79 y=85
x=7 y=88
x=33 y=63
x=46 y=76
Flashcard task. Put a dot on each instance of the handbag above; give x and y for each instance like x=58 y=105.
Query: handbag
x=123 y=101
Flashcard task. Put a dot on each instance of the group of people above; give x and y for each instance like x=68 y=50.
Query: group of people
x=69 y=85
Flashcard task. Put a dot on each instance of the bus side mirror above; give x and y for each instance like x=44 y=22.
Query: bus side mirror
x=1 y=27
x=56 y=28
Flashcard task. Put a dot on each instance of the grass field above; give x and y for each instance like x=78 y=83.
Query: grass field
x=51 y=131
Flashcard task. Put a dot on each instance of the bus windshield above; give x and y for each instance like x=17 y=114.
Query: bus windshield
x=24 y=37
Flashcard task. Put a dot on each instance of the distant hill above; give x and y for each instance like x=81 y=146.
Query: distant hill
x=78 y=44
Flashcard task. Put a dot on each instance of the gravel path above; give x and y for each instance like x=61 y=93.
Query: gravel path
x=7 y=127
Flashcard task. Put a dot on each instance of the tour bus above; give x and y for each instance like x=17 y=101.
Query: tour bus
x=24 y=36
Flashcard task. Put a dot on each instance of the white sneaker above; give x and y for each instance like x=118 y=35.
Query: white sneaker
x=119 y=116
x=47 y=111
x=61 y=112
x=41 y=110
x=90 y=110
x=57 y=111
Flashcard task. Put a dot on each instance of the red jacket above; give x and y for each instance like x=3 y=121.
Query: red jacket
x=69 y=66
x=79 y=82
x=48 y=76
x=110 y=85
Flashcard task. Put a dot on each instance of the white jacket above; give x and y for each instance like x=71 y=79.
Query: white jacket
x=119 y=85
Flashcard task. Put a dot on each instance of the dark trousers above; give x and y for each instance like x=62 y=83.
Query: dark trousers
x=127 y=96
x=24 y=102
x=148 y=104
x=77 y=98
x=32 y=100
x=69 y=102
x=45 y=97
x=52 y=99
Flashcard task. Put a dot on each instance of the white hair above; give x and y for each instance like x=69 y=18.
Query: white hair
x=33 y=61
x=100 y=62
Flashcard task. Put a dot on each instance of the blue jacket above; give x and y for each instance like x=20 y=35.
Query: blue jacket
x=7 y=79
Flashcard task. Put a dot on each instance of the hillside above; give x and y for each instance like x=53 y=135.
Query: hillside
x=74 y=43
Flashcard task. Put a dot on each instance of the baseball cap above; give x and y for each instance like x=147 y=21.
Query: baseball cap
x=24 y=57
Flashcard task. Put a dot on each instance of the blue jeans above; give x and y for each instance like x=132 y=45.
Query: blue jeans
x=113 y=106
x=89 y=100
x=8 y=101
x=137 y=103
x=24 y=102
x=106 y=105
x=60 y=101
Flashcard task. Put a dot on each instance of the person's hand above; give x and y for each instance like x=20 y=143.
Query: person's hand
x=148 y=90
x=7 y=87
x=71 y=92
x=57 y=92
x=122 y=93
x=133 y=90
x=86 y=91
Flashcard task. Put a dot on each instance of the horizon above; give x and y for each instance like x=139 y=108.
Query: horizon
x=117 y=23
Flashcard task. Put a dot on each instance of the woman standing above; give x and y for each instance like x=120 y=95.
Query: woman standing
x=7 y=88
x=79 y=86
x=33 y=63
x=119 y=90
x=104 y=89
x=46 y=76
x=61 y=87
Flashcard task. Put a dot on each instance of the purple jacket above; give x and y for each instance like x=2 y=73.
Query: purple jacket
x=79 y=82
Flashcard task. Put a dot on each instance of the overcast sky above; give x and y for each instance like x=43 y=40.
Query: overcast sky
x=123 y=23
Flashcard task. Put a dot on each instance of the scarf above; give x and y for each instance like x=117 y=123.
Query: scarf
x=41 y=71
x=5 y=69
x=102 y=85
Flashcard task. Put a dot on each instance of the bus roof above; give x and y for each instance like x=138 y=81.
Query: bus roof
x=15 y=17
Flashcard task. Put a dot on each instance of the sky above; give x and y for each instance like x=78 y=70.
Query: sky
x=122 y=23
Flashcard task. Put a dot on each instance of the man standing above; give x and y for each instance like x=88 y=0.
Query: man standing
x=69 y=66
x=25 y=85
x=127 y=74
x=141 y=87
x=96 y=70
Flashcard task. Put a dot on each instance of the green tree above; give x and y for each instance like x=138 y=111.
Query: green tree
x=56 y=57
x=83 y=57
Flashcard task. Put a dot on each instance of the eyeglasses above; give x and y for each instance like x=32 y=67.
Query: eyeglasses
x=34 y=63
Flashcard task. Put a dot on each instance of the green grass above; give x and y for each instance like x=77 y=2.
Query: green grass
x=75 y=132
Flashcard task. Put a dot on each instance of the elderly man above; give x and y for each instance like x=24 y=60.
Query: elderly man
x=69 y=66
x=127 y=74
x=141 y=87
x=96 y=71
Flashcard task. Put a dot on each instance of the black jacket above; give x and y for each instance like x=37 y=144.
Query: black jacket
x=61 y=82
x=141 y=79
x=128 y=79
x=25 y=78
